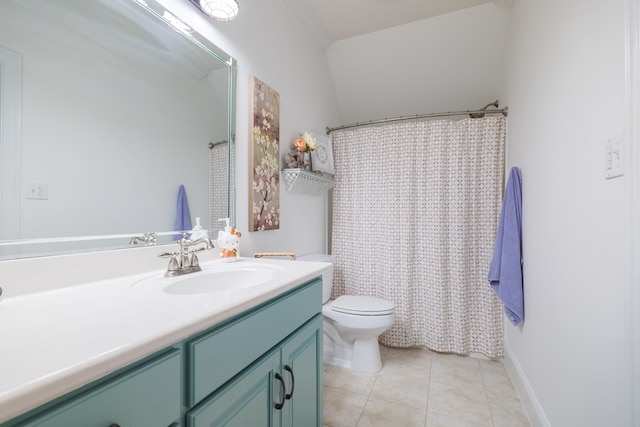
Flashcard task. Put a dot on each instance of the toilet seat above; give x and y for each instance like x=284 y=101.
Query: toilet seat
x=362 y=305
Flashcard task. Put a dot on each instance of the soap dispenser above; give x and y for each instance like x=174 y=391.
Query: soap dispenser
x=198 y=232
x=229 y=242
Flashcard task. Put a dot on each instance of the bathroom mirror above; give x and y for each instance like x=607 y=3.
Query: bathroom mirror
x=107 y=108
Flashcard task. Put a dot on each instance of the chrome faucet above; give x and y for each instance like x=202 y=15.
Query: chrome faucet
x=149 y=239
x=185 y=261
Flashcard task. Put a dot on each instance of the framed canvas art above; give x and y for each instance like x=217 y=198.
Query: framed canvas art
x=264 y=194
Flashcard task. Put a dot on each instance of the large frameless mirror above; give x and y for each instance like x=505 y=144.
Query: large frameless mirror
x=107 y=108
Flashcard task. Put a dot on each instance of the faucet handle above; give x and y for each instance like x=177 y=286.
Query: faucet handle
x=173 y=261
x=193 y=259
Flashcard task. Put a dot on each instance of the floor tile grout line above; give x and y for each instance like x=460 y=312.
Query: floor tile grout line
x=486 y=394
x=426 y=412
x=367 y=401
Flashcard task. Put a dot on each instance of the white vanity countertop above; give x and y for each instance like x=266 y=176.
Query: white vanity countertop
x=55 y=341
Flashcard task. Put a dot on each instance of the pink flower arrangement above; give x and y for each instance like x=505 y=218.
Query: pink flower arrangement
x=306 y=143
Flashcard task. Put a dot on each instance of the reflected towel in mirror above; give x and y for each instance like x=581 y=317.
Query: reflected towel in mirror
x=183 y=217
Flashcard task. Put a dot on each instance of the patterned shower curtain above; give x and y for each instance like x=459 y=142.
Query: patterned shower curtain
x=415 y=212
x=222 y=201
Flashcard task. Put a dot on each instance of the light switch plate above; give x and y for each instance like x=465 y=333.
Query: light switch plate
x=37 y=191
x=613 y=157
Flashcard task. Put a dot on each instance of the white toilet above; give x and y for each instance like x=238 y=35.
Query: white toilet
x=352 y=325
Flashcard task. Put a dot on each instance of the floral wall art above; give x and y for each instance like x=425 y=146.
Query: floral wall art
x=265 y=152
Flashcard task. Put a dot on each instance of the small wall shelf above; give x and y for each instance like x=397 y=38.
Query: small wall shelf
x=303 y=181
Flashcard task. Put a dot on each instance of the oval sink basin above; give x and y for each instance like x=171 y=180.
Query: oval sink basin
x=218 y=278
x=215 y=281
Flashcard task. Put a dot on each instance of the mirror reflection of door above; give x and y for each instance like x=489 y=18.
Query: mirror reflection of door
x=9 y=145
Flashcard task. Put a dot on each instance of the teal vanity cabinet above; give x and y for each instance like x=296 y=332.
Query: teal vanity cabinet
x=281 y=389
x=146 y=395
x=262 y=367
x=302 y=359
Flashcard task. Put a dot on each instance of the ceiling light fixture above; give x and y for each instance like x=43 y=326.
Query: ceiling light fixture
x=220 y=10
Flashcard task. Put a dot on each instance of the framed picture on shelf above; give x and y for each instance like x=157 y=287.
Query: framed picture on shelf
x=322 y=156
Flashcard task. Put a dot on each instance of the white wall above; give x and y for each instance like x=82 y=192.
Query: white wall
x=447 y=63
x=565 y=91
x=268 y=45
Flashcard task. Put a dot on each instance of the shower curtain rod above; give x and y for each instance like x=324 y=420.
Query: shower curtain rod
x=214 y=144
x=475 y=114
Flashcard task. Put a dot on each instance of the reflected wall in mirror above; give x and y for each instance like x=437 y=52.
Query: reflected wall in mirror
x=114 y=109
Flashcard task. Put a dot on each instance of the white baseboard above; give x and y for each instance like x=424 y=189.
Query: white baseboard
x=532 y=407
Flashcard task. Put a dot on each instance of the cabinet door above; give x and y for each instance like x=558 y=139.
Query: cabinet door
x=218 y=355
x=248 y=400
x=302 y=371
x=147 y=396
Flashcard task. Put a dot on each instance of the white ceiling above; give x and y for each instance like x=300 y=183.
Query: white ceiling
x=328 y=21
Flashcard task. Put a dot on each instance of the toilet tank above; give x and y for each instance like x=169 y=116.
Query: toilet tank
x=327 y=276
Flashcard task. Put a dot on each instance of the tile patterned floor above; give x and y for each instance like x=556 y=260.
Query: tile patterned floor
x=422 y=388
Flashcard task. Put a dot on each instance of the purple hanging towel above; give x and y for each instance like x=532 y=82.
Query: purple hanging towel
x=505 y=272
x=183 y=217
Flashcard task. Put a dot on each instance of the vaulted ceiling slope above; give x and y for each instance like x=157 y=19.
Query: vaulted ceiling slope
x=328 y=21
x=450 y=62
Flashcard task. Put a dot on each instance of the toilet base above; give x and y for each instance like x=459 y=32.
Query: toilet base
x=351 y=341
x=363 y=357
x=366 y=356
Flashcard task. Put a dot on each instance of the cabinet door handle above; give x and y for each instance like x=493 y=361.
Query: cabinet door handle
x=293 y=381
x=284 y=391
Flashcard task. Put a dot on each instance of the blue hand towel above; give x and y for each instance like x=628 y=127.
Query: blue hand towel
x=505 y=273
x=183 y=217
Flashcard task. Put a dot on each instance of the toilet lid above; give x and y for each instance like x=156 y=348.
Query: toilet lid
x=364 y=306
